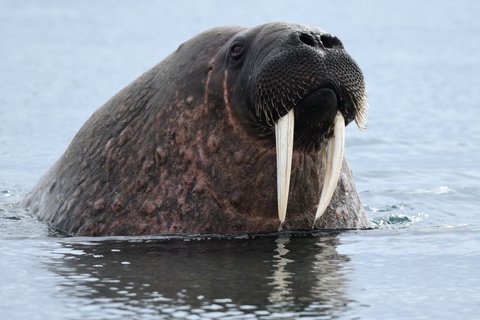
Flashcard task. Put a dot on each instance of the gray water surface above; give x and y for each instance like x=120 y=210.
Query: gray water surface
x=416 y=169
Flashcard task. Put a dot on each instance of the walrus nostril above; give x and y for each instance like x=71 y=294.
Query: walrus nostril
x=331 y=42
x=307 y=39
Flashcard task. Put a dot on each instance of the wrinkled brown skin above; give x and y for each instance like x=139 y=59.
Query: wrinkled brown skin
x=169 y=154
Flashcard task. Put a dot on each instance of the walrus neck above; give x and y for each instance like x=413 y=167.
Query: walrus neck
x=247 y=129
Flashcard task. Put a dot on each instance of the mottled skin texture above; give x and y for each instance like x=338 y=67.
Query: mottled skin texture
x=179 y=150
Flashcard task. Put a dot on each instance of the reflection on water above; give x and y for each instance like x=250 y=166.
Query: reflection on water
x=214 y=278
x=281 y=278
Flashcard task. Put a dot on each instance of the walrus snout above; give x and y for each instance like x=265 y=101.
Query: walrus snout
x=300 y=65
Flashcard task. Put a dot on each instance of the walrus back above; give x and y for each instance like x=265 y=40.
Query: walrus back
x=109 y=168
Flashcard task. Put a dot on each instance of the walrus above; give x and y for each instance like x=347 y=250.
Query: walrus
x=239 y=130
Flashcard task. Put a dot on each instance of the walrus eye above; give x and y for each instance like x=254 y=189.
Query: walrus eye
x=236 y=51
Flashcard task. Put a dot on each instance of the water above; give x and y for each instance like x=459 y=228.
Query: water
x=416 y=169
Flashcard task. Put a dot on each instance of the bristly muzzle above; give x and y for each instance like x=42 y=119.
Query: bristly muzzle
x=289 y=76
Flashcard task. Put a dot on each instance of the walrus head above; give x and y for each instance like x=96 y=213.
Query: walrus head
x=300 y=81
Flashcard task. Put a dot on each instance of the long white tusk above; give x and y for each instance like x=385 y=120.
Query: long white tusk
x=284 y=144
x=333 y=163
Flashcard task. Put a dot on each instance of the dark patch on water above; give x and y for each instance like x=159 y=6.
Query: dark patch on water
x=9 y=217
